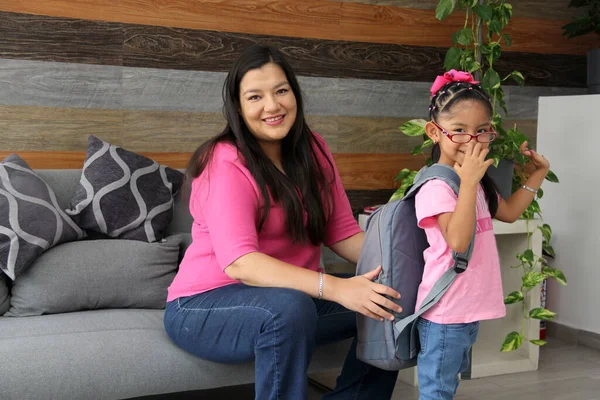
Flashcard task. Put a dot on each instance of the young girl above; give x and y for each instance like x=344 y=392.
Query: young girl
x=461 y=130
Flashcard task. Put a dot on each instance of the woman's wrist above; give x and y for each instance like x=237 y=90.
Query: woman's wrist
x=330 y=284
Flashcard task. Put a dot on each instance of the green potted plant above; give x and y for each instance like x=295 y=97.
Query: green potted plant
x=587 y=24
x=477 y=47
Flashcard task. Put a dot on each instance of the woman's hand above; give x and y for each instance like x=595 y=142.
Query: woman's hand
x=362 y=295
x=538 y=160
x=474 y=165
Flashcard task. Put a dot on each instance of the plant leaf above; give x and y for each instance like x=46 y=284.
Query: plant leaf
x=507 y=39
x=474 y=67
x=495 y=51
x=532 y=278
x=414 y=127
x=527 y=256
x=465 y=36
x=542 y=314
x=406 y=183
x=518 y=78
x=495 y=26
x=538 y=342
x=452 y=58
x=484 y=11
x=514 y=297
x=491 y=79
x=444 y=8
x=455 y=36
x=506 y=14
x=540 y=193
x=403 y=174
x=551 y=176
x=496 y=160
x=555 y=273
x=546 y=232
x=534 y=206
x=419 y=148
x=467 y=58
x=512 y=342
x=500 y=99
x=398 y=194
x=548 y=249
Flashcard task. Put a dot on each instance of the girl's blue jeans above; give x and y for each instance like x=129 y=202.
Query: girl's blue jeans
x=278 y=329
x=444 y=355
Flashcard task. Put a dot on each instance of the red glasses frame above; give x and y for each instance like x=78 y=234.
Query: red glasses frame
x=451 y=135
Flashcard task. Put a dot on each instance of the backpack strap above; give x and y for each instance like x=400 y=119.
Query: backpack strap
x=461 y=260
x=435 y=171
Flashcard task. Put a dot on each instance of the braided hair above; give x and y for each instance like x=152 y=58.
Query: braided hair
x=442 y=102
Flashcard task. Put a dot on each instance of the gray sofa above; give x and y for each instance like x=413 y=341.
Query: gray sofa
x=110 y=353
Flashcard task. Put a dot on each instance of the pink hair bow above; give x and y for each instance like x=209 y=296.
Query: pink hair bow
x=451 y=76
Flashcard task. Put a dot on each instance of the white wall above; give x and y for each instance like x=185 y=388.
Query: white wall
x=569 y=136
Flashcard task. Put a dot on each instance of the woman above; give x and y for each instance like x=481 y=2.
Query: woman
x=265 y=195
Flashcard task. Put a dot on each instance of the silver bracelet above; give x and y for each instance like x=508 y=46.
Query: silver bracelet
x=320 y=285
x=532 y=190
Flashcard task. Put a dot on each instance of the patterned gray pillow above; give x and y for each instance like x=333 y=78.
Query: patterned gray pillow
x=123 y=194
x=31 y=221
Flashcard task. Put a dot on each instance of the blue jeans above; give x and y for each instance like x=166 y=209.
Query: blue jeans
x=444 y=354
x=278 y=329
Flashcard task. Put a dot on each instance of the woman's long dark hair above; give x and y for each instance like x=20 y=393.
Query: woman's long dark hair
x=442 y=102
x=306 y=185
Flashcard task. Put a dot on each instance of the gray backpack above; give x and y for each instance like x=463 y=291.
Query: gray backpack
x=394 y=241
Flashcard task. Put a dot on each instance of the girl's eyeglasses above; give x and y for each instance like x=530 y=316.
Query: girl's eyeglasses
x=483 y=137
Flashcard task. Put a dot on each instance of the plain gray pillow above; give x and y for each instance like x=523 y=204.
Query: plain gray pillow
x=95 y=274
x=4 y=294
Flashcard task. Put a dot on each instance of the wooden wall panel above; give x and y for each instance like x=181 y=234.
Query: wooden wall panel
x=383 y=24
x=54 y=84
x=147 y=74
x=67 y=129
x=357 y=171
x=176 y=48
x=305 y=18
x=34 y=37
x=157 y=131
x=359 y=199
x=374 y=171
x=62 y=85
x=545 y=69
x=52 y=129
x=548 y=9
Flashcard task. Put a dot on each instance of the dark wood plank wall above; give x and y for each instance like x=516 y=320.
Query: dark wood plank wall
x=147 y=74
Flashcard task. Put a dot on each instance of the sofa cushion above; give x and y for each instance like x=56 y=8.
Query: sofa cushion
x=123 y=194
x=113 y=354
x=4 y=294
x=31 y=221
x=94 y=274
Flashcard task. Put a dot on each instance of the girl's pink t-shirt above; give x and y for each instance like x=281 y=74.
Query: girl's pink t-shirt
x=225 y=203
x=476 y=294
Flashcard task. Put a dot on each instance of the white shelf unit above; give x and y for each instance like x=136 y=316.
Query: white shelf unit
x=487 y=359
